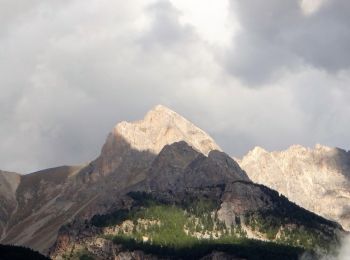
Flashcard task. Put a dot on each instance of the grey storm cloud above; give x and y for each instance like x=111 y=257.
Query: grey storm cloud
x=278 y=35
x=70 y=70
x=165 y=29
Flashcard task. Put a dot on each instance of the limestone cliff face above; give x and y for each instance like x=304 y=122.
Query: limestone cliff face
x=161 y=126
x=317 y=179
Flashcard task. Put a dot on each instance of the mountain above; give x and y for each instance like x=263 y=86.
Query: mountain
x=317 y=179
x=40 y=206
x=36 y=205
x=161 y=187
x=190 y=205
x=131 y=147
x=161 y=126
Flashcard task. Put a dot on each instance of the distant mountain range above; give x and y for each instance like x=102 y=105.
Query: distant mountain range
x=317 y=179
x=162 y=188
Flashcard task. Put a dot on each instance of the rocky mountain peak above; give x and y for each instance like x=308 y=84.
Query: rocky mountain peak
x=160 y=110
x=162 y=126
x=317 y=179
x=257 y=151
x=323 y=148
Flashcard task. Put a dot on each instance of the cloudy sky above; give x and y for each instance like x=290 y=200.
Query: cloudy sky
x=270 y=73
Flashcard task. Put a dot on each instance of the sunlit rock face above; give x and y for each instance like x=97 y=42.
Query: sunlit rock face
x=317 y=179
x=160 y=127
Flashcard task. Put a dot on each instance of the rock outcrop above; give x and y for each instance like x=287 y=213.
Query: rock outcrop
x=162 y=126
x=179 y=166
x=146 y=138
x=317 y=179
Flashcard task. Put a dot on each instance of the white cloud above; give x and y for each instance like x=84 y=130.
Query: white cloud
x=311 y=6
x=211 y=19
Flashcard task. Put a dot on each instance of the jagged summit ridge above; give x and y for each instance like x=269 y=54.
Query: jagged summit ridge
x=162 y=126
x=316 y=178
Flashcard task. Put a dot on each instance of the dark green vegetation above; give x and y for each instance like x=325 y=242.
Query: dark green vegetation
x=290 y=234
x=189 y=229
x=8 y=252
x=245 y=248
x=114 y=218
x=82 y=254
x=289 y=224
